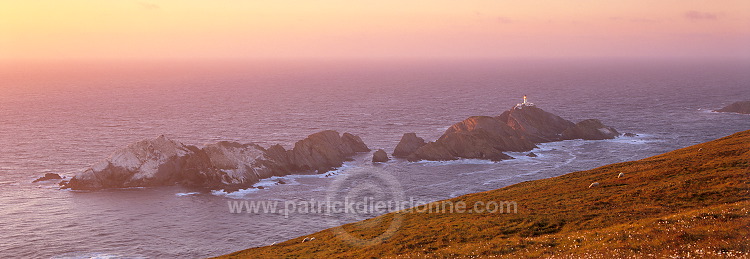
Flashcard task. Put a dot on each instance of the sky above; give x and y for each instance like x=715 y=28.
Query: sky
x=379 y=29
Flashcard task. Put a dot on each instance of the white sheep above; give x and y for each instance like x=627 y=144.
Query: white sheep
x=621 y=175
x=594 y=184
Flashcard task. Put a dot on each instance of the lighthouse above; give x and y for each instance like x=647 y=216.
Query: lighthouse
x=524 y=103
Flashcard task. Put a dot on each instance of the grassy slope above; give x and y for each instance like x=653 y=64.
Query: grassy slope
x=689 y=202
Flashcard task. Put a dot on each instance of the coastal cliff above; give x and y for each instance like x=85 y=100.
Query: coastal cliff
x=222 y=165
x=691 y=202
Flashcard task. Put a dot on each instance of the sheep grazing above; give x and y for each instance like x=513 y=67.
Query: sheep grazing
x=306 y=239
x=594 y=184
x=620 y=175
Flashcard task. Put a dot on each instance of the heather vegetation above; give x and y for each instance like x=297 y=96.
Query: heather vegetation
x=691 y=202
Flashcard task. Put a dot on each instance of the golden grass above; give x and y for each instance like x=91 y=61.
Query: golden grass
x=691 y=202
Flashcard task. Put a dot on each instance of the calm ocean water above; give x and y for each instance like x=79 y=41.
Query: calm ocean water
x=63 y=118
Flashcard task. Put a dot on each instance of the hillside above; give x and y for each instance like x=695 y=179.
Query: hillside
x=689 y=202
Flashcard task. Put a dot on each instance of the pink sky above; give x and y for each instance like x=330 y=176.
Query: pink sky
x=383 y=29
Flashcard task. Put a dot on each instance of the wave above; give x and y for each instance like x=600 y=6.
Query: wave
x=546 y=166
x=239 y=194
x=349 y=165
x=95 y=255
x=9 y=183
x=269 y=183
x=631 y=141
x=479 y=172
x=718 y=112
x=554 y=155
x=463 y=161
x=522 y=156
x=640 y=139
x=272 y=181
x=705 y=110
x=180 y=194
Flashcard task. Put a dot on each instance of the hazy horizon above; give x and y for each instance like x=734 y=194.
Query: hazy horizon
x=383 y=30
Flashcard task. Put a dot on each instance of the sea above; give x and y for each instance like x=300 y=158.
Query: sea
x=62 y=117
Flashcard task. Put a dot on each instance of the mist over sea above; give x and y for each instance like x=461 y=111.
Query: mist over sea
x=62 y=118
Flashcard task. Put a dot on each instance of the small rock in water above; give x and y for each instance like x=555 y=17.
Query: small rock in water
x=380 y=156
x=531 y=154
x=281 y=182
x=630 y=134
x=48 y=176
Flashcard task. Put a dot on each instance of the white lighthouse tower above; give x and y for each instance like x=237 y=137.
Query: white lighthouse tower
x=524 y=103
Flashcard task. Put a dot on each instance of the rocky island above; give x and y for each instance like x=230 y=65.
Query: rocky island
x=742 y=107
x=516 y=130
x=223 y=165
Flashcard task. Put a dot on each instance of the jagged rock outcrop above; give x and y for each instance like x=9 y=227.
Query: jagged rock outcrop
x=432 y=151
x=380 y=156
x=489 y=130
x=515 y=130
x=480 y=137
x=145 y=163
x=323 y=151
x=409 y=144
x=535 y=124
x=236 y=164
x=47 y=177
x=591 y=129
x=354 y=142
x=228 y=165
x=456 y=147
x=742 y=107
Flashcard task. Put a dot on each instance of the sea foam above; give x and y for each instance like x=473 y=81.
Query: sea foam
x=180 y=194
